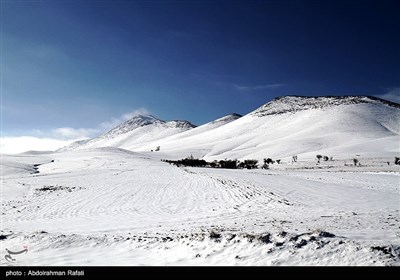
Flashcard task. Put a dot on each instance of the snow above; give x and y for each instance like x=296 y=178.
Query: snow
x=134 y=132
x=111 y=201
x=370 y=129
x=109 y=206
x=290 y=104
x=286 y=126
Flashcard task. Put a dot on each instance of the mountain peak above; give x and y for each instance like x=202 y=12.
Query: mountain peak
x=294 y=103
x=144 y=117
x=228 y=118
x=181 y=124
x=134 y=122
x=140 y=120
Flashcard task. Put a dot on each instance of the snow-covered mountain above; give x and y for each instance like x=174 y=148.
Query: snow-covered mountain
x=291 y=104
x=133 y=133
x=211 y=126
x=295 y=125
x=283 y=127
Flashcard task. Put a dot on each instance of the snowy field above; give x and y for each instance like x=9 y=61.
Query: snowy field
x=109 y=206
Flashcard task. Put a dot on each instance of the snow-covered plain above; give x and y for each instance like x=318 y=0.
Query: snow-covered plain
x=89 y=204
x=109 y=206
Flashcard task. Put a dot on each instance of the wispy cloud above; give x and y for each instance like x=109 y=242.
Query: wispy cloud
x=39 y=140
x=257 y=87
x=72 y=133
x=392 y=95
x=65 y=133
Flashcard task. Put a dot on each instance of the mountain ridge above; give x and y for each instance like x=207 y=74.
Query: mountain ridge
x=294 y=103
x=282 y=127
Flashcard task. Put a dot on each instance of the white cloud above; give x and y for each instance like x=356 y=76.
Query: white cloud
x=393 y=95
x=14 y=145
x=40 y=140
x=72 y=133
x=258 y=87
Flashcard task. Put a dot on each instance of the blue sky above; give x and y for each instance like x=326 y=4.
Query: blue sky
x=72 y=69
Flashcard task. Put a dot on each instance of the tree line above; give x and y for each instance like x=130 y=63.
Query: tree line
x=226 y=164
x=245 y=164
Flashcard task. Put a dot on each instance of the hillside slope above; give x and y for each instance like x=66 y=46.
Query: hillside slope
x=294 y=125
x=133 y=133
x=286 y=126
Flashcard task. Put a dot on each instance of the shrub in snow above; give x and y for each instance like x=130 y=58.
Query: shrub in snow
x=269 y=161
x=188 y=162
x=250 y=163
x=355 y=161
x=214 y=164
x=229 y=164
x=265 y=238
x=215 y=235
